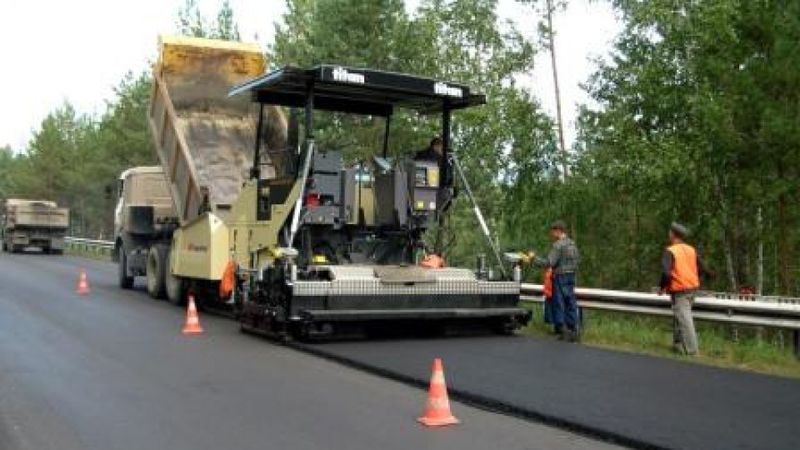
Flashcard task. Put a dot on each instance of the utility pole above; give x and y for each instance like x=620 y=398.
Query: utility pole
x=551 y=44
x=559 y=120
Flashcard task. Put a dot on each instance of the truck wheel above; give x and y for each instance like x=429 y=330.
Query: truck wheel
x=125 y=281
x=156 y=271
x=175 y=285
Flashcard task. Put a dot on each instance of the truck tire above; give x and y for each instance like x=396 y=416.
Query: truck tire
x=175 y=285
x=156 y=271
x=125 y=281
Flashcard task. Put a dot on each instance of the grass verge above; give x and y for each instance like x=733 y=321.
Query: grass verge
x=753 y=349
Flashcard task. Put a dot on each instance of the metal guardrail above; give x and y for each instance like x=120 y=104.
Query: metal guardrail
x=747 y=311
x=773 y=312
x=751 y=297
x=97 y=246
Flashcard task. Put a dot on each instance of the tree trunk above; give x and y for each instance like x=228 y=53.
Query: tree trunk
x=776 y=283
x=637 y=254
x=784 y=252
x=760 y=254
x=727 y=243
x=784 y=242
x=559 y=120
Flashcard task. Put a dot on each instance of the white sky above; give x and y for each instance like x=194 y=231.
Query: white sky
x=77 y=50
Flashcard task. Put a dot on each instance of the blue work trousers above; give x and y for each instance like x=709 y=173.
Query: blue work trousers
x=565 y=305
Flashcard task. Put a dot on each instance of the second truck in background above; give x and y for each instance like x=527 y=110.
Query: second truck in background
x=34 y=223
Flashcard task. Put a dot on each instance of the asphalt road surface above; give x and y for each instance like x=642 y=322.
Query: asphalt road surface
x=112 y=371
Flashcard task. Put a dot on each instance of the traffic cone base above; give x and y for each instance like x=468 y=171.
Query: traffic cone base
x=192 y=325
x=437 y=409
x=83 y=284
x=438 y=422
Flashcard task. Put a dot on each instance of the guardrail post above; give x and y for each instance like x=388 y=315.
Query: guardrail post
x=796 y=343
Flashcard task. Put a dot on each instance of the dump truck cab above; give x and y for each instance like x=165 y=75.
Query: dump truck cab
x=143 y=201
x=338 y=244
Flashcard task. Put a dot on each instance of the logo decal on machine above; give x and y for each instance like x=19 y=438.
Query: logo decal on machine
x=445 y=89
x=342 y=74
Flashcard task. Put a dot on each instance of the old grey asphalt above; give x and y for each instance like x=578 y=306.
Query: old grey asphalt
x=112 y=371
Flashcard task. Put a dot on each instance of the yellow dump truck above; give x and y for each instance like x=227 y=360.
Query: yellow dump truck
x=34 y=223
x=288 y=236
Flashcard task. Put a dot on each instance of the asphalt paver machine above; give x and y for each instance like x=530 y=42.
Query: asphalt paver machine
x=332 y=246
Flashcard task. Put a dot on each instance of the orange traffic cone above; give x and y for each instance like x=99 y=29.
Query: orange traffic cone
x=192 y=325
x=83 y=284
x=437 y=410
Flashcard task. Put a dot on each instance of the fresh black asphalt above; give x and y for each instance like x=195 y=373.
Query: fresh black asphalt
x=636 y=400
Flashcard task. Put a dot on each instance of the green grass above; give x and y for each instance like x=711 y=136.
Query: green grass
x=737 y=347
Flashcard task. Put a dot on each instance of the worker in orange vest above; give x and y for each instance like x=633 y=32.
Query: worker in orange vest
x=680 y=278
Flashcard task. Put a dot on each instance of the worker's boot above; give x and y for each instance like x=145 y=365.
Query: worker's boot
x=561 y=333
x=573 y=335
x=566 y=335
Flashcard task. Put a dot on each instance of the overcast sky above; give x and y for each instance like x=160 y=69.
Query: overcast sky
x=76 y=50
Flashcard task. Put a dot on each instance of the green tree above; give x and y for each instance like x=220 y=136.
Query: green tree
x=7 y=170
x=52 y=149
x=191 y=22
x=694 y=123
x=226 y=27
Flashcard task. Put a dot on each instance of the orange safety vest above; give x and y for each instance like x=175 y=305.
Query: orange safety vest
x=548 y=283
x=684 y=274
x=432 y=261
x=228 y=281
